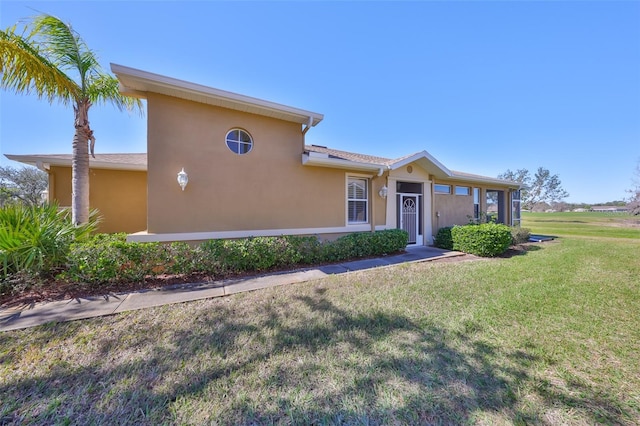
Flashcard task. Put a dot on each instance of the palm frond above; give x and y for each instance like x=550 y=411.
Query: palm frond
x=25 y=69
x=68 y=51
x=64 y=46
x=104 y=88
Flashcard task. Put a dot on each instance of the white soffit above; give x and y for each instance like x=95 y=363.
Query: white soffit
x=135 y=162
x=485 y=179
x=137 y=83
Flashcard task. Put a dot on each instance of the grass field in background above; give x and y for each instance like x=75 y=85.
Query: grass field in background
x=548 y=337
x=592 y=224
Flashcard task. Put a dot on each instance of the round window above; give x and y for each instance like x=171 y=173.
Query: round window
x=239 y=141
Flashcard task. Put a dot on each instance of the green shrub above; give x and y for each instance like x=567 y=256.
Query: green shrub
x=309 y=248
x=249 y=254
x=183 y=259
x=210 y=255
x=443 y=238
x=348 y=246
x=519 y=235
x=487 y=239
x=364 y=244
x=388 y=241
x=109 y=258
x=217 y=257
x=35 y=240
x=275 y=252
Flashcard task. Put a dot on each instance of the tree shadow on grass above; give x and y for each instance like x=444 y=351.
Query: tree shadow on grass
x=301 y=360
x=519 y=250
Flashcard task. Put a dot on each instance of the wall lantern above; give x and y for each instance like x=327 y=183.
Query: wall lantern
x=183 y=179
x=383 y=191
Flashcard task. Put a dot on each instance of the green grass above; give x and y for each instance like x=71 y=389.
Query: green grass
x=549 y=337
x=606 y=225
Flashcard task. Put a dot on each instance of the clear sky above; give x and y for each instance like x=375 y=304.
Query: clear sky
x=482 y=86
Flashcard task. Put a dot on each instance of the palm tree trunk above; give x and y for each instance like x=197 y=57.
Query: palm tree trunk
x=80 y=164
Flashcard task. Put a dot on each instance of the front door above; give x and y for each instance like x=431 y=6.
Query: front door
x=409 y=214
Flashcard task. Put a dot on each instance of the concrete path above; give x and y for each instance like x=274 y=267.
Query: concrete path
x=74 y=309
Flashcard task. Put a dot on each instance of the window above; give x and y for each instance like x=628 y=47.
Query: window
x=495 y=206
x=462 y=190
x=239 y=141
x=357 y=200
x=442 y=189
x=515 y=208
x=476 y=204
x=408 y=188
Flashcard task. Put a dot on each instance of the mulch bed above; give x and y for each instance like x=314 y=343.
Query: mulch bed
x=53 y=290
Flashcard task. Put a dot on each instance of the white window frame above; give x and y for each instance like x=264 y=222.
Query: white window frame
x=366 y=179
x=239 y=142
x=516 y=206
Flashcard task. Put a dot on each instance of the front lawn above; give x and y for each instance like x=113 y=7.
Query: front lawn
x=548 y=337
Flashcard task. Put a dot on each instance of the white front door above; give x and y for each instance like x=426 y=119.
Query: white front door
x=409 y=217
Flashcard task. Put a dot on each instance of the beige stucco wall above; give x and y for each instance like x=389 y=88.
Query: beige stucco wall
x=119 y=195
x=267 y=188
x=451 y=209
x=458 y=209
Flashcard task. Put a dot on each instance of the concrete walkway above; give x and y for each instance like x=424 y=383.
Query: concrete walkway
x=109 y=304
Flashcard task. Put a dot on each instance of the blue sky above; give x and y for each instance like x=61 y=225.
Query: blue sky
x=482 y=86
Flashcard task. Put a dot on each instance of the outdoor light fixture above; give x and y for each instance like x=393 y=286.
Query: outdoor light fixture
x=183 y=179
x=383 y=191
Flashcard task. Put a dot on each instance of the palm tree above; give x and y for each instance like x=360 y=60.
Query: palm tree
x=50 y=60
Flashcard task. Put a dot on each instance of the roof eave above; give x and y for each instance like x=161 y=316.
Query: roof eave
x=439 y=171
x=138 y=83
x=45 y=161
x=487 y=180
x=337 y=163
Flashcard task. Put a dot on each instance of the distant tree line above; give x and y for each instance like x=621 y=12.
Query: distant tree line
x=543 y=191
x=564 y=206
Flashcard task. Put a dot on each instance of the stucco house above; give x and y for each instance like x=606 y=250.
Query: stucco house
x=250 y=173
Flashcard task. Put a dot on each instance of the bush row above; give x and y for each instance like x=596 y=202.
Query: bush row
x=109 y=258
x=487 y=239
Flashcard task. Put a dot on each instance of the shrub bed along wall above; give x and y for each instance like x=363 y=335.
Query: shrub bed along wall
x=109 y=258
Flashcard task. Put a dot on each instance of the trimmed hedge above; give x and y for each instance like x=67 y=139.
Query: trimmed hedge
x=364 y=244
x=443 y=238
x=251 y=254
x=487 y=239
x=109 y=258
